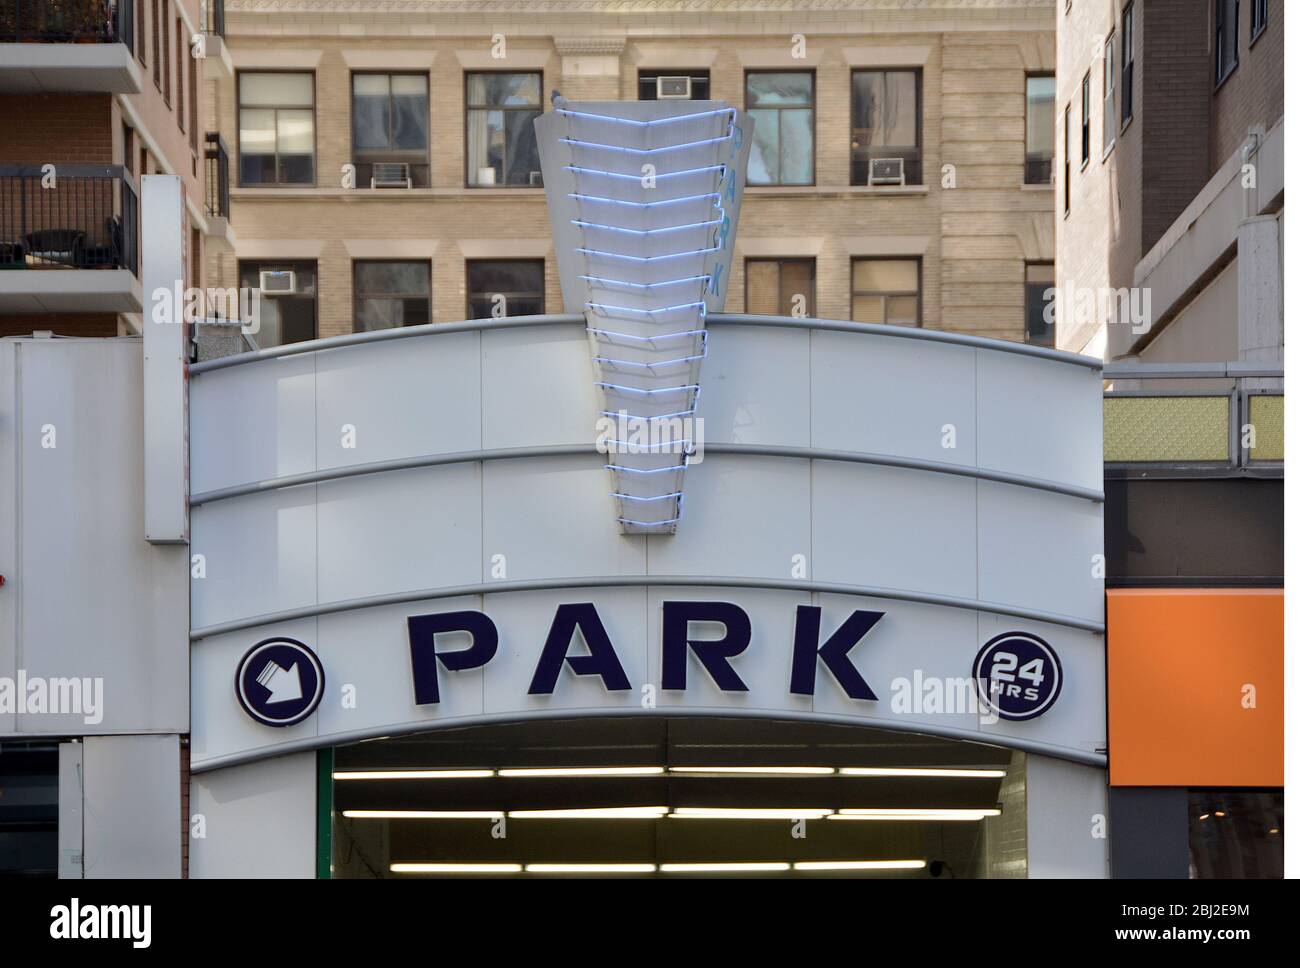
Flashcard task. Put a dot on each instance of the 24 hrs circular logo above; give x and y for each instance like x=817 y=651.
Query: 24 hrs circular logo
x=1018 y=675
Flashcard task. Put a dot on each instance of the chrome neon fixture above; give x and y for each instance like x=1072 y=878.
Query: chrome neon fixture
x=644 y=200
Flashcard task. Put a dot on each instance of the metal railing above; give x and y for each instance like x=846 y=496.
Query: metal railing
x=68 y=22
x=68 y=217
x=217 y=161
x=214 y=17
x=1236 y=425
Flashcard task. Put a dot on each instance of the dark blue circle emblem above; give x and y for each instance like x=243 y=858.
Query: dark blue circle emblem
x=1018 y=675
x=279 y=682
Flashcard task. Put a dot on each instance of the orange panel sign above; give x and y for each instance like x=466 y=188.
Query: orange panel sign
x=1195 y=686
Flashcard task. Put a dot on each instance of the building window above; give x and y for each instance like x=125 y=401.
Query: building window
x=1065 y=158
x=128 y=147
x=887 y=291
x=1126 y=69
x=1085 y=122
x=1040 y=109
x=501 y=147
x=505 y=287
x=886 y=124
x=390 y=126
x=193 y=71
x=166 y=52
x=141 y=34
x=675 y=85
x=155 y=23
x=390 y=294
x=1258 y=17
x=1235 y=833
x=781 y=104
x=29 y=808
x=180 y=73
x=1040 y=322
x=277 y=129
x=1225 y=38
x=781 y=287
x=1109 y=106
x=288 y=305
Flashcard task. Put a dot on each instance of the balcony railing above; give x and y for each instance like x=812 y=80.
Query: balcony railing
x=68 y=22
x=214 y=17
x=68 y=217
x=217 y=160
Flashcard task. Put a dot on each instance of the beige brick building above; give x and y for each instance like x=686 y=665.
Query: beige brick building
x=949 y=248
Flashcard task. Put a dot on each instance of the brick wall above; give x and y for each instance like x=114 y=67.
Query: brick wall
x=1177 y=70
x=56 y=128
x=1252 y=94
x=974 y=238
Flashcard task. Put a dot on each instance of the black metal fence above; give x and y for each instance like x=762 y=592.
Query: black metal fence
x=68 y=22
x=217 y=160
x=68 y=217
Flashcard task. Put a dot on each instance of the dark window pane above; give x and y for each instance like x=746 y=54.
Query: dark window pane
x=1235 y=833
x=286 y=317
x=509 y=287
x=1039 y=278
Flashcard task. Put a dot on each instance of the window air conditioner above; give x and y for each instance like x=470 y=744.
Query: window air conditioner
x=390 y=174
x=886 y=171
x=277 y=282
x=673 y=88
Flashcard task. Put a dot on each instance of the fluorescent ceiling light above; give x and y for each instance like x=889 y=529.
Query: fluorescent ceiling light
x=858 y=865
x=585 y=771
x=926 y=771
x=739 y=867
x=424 y=814
x=455 y=868
x=748 y=770
x=590 y=868
x=890 y=813
x=751 y=813
x=591 y=813
x=412 y=774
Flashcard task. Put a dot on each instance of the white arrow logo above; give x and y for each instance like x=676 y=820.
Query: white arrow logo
x=285 y=684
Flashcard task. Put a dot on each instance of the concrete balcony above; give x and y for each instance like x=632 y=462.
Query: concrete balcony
x=217 y=65
x=68 y=239
x=75 y=46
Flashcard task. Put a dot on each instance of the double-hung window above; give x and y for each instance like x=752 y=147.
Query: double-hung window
x=781 y=104
x=501 y=146
x=885 y=107
x=390 y=127
x=277 y=128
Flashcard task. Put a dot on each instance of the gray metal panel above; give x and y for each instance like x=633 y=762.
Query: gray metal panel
x=1148 y=832
x=1066 y=826
x=260 y=820
x=163 y=245
x=117 y=609
x=9 y=508
x=71 y=803
x=133 y=806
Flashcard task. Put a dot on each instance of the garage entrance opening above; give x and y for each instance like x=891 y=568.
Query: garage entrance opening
x=670 y=797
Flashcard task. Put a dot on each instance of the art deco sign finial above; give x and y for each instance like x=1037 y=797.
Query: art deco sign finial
x=644 y=198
